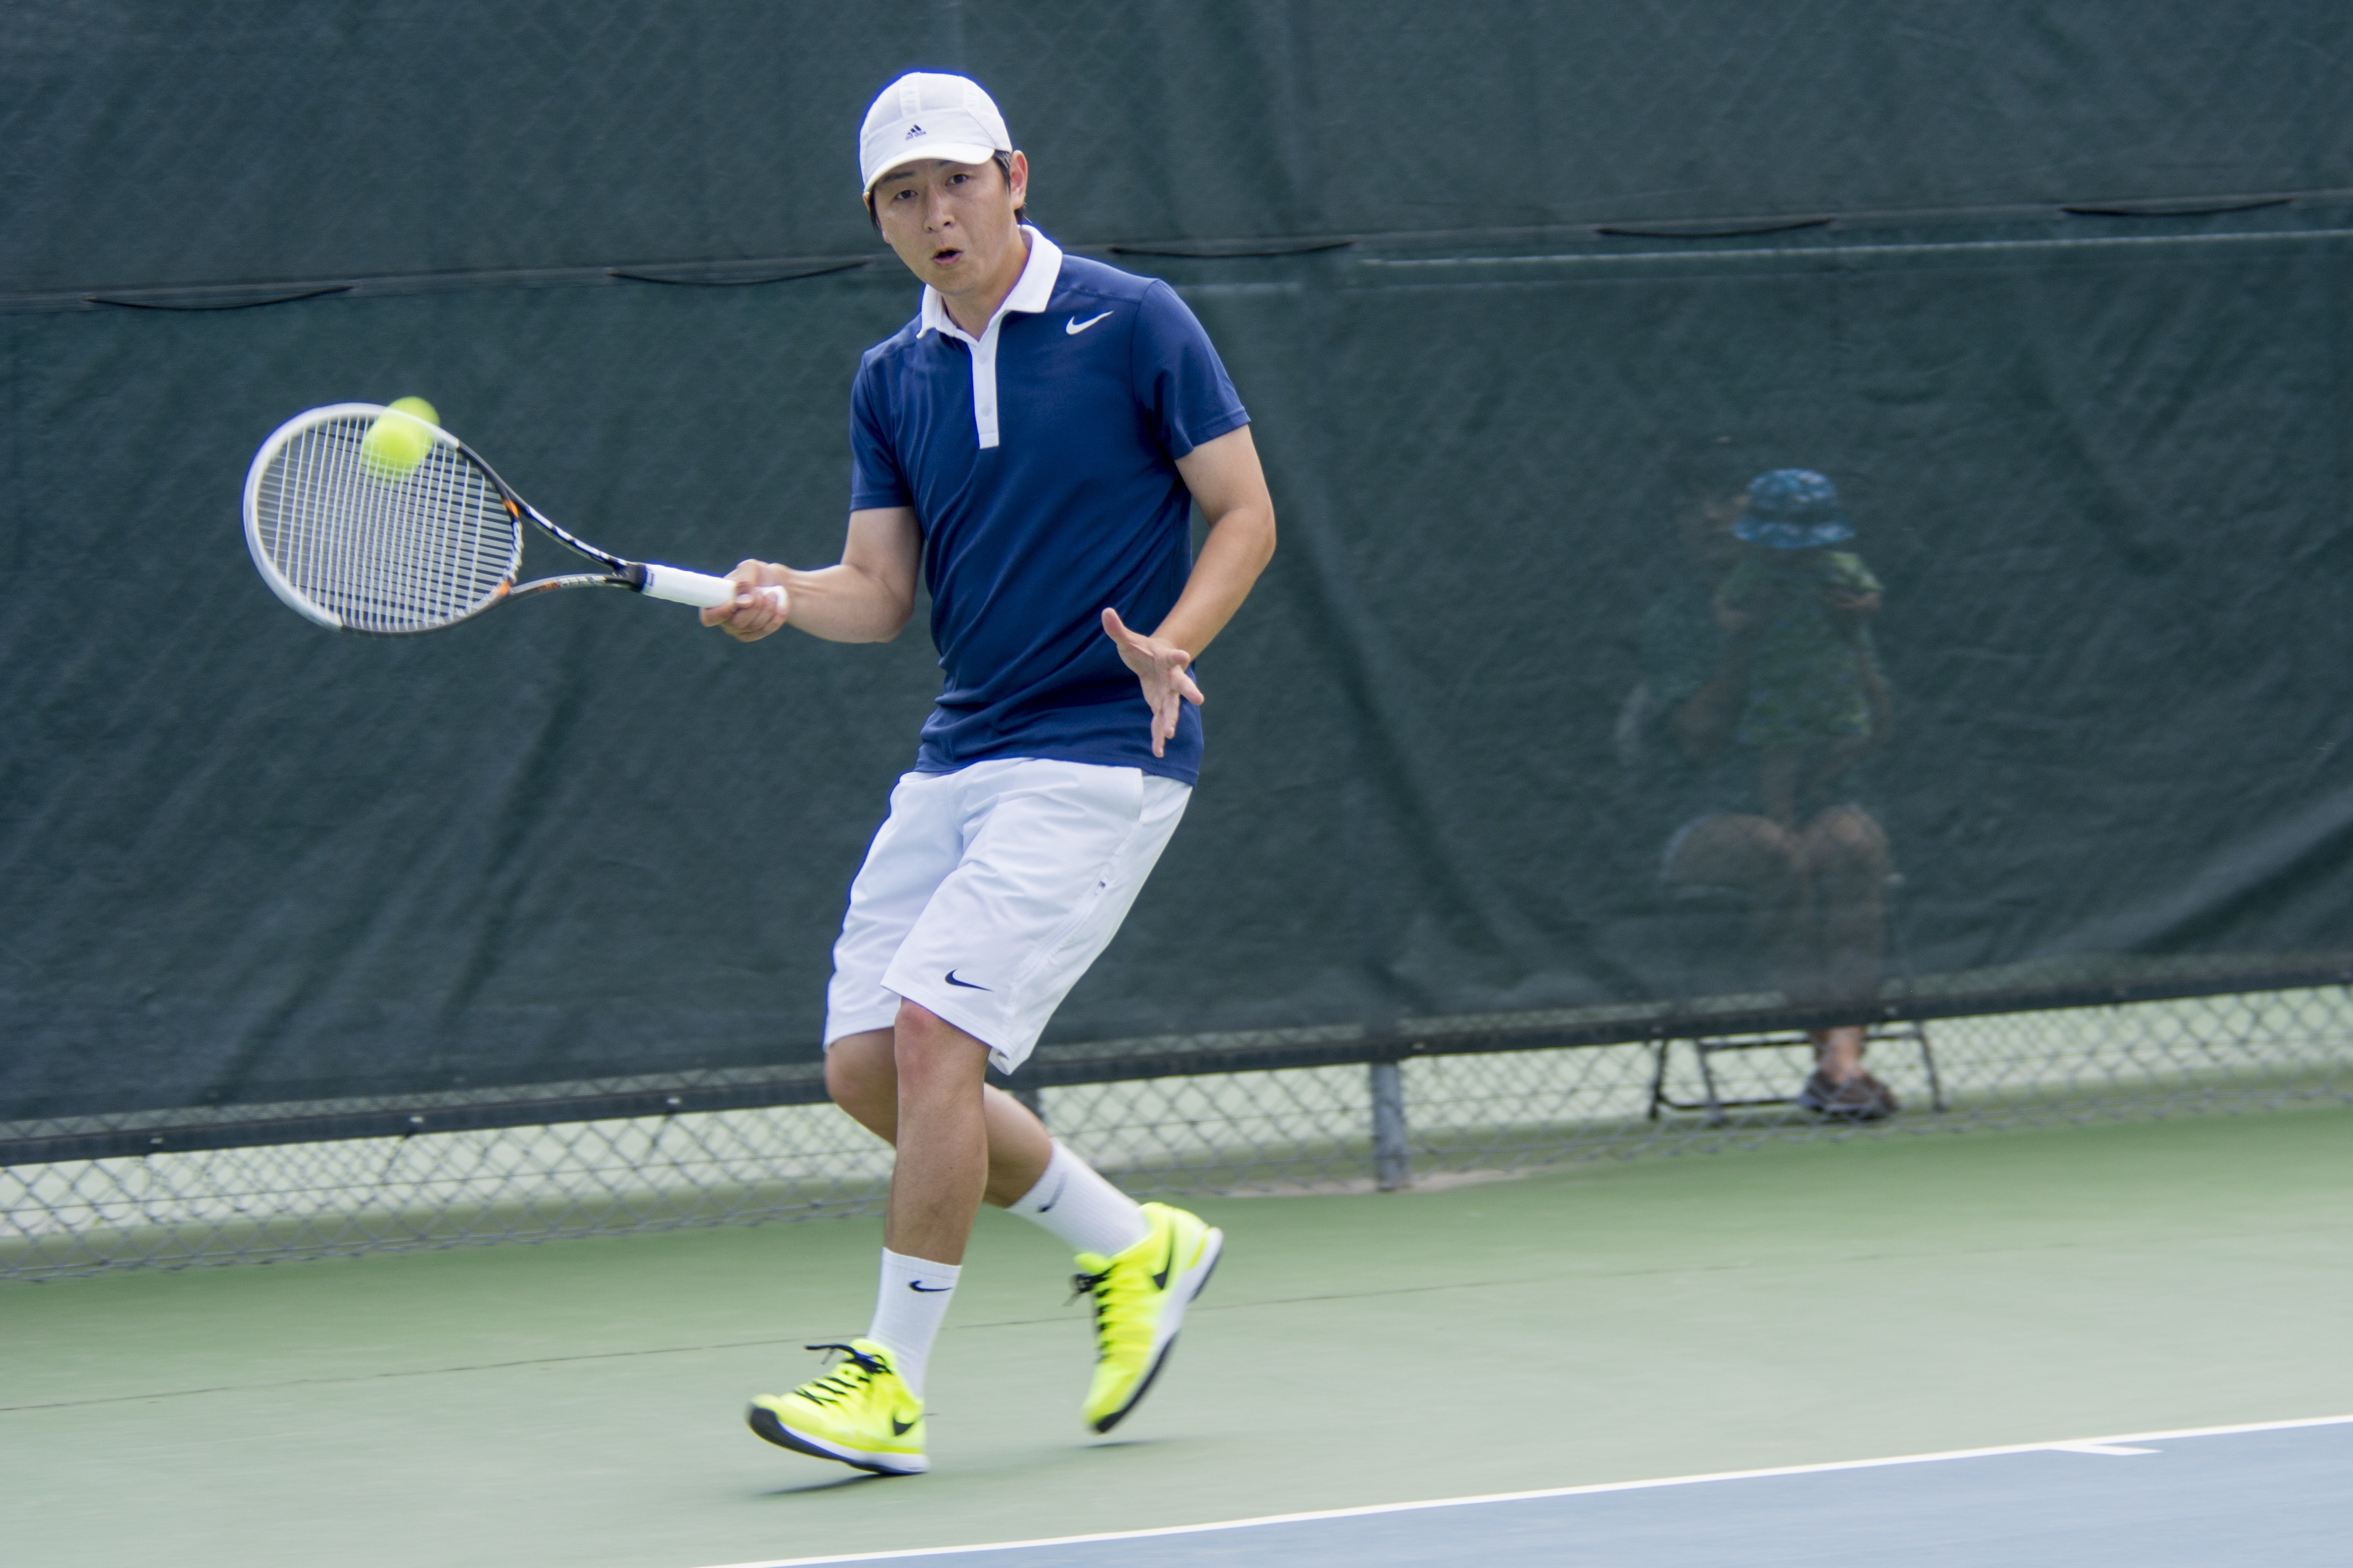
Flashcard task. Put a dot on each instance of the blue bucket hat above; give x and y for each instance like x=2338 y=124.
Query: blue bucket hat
x=1793 y=509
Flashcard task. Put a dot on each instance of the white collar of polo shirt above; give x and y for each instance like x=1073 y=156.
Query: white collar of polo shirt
x=1031 y=294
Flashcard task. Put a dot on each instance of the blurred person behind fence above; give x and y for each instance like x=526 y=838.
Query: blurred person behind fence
x=1816 y=699
x=1813 y=880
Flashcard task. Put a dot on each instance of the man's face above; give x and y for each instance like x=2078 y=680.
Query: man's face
x=1705 y=527
x=951 y=224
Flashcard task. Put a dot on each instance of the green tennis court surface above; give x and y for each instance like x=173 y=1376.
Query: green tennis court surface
x=579 y=1401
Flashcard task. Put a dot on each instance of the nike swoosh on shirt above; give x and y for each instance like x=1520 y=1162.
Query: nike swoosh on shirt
x=1075 y=326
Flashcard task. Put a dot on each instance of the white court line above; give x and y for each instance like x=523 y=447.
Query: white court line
x=2125 y=1443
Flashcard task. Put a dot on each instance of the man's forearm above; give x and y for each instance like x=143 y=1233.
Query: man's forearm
x=867 y=598
x=843 y=604
x=1239 y=546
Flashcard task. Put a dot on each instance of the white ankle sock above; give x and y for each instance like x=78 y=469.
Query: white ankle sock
x=1076 y=1204
x=908 y=1312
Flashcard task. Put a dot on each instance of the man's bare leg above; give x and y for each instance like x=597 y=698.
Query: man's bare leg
x=1755 y=856
x=942 y=1165
x=920 y=1086
x=1838 y=1052
x=1848 y=861
x=922 y=1077
x=1028 y=1173
x=861 y=1073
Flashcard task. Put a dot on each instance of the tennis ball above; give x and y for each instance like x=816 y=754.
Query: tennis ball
x=400 y=440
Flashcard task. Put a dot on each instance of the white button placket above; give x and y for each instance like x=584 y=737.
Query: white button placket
x=1029 y=296
x=983 y=385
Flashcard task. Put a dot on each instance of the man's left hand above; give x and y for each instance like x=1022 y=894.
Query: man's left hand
x=1161 y=669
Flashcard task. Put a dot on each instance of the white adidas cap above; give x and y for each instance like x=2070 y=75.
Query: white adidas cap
x=928 y=114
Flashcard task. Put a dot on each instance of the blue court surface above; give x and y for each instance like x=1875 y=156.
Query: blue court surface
x=2279 y=1495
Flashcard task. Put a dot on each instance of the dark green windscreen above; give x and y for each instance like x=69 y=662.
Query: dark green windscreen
x=154 y=141
x=2097 y=463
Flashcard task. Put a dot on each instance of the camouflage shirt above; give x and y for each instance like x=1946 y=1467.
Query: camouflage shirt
x=1810 y=677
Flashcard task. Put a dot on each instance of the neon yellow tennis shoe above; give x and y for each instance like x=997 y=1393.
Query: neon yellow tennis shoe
x=1140 y=1298
x=860 y=1413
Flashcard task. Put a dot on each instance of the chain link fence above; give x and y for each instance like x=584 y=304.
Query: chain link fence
x=1342 y=1128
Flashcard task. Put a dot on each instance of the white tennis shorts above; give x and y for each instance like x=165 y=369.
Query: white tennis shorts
x=990 y=891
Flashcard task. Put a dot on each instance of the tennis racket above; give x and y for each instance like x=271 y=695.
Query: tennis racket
x=351 y=547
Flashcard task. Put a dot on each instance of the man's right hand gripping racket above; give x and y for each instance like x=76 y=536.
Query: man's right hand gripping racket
x=410 y=532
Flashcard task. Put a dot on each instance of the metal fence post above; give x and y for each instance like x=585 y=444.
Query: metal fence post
x=1392 y=1162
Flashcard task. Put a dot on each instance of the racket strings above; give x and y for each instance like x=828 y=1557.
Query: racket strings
x=384 y=553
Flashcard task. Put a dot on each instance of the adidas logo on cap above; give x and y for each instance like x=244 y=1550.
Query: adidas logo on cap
x=928 y=113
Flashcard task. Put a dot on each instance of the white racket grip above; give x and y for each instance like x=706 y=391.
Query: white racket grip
x=682 y=587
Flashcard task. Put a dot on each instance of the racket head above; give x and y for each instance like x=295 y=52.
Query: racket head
x=350 y=548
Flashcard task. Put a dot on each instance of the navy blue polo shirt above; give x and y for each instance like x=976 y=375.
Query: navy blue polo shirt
x=1040 y=461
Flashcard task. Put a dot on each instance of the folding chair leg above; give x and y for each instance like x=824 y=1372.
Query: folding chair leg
x=1929 y=1064
x=1715 y=1117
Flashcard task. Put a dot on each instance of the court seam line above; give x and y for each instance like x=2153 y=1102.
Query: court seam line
x=1034 y=1322
x=792 y=1339
x=1374 y=1510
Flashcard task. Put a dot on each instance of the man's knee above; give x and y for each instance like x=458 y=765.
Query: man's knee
x=930 y=1055
x=862 y=1076
x=1753 y=854
x=1847 y=845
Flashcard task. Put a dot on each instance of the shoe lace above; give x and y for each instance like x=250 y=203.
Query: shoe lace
x=1116 y=1308
x=1082 y=1284
x=851 y=1379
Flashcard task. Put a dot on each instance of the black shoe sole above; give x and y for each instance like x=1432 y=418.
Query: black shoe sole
x=765 y=1425
x=1119 y=1414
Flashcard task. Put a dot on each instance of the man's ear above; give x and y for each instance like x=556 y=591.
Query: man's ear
x=1017 y=177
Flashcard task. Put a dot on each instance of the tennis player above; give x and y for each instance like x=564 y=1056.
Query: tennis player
x=1031 y=443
